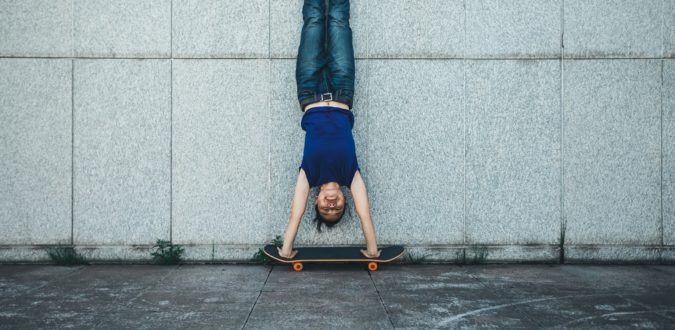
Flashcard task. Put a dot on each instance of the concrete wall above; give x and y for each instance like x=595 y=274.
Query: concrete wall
x=513 y=126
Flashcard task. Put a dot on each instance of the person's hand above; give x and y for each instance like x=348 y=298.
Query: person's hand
x=293 y=253
x=371 y=255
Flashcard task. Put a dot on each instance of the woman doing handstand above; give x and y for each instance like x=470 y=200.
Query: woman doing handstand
x=324 y=75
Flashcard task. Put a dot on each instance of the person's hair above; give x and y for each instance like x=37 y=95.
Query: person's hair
x=321 y=220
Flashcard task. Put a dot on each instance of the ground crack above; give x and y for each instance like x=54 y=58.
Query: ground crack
x=258 y=297
x=386 y=312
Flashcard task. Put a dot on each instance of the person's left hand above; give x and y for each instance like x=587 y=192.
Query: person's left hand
x=368 y=255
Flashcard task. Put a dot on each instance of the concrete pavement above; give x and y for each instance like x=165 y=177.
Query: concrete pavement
x=337 y=296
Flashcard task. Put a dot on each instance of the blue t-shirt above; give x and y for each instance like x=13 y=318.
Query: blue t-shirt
x=330 y=152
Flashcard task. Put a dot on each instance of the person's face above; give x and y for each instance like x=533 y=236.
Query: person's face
x=331 y=201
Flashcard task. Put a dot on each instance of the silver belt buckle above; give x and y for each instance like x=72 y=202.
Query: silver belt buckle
x=330 y=95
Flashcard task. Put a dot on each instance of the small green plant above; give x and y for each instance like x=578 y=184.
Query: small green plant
x=261 y=258
x=166 y=253
x=66 y=255
x=480 y=253
x=412 y=258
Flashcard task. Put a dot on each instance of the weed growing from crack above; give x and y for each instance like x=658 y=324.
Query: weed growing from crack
x=261 y=258
x=166 y=253
x=66 y=255
x=412 y=258
x=479 y=252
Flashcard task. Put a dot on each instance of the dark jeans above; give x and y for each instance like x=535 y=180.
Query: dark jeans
x=325 y=65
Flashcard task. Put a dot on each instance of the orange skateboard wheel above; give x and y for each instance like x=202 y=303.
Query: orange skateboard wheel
x=297 y=266
x=372 y=265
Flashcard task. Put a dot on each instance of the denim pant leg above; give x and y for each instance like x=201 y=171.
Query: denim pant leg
x=340 y=52
x=312 y=56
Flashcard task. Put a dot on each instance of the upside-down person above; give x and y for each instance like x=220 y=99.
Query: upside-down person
x=324 y=75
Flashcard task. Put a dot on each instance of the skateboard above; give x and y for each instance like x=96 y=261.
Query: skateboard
x=334 y=254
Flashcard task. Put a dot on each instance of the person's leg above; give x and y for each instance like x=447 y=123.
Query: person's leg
x=312 y=55
x=340 y=52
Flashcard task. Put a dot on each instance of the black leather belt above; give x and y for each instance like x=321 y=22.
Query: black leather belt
x=328 y=96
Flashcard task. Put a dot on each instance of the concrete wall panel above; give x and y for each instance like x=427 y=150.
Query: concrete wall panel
x=615 y=28
x=513 y=152
x=513 y=29
x=122 y=150
x=35 y=151
x=127 y=28
x=37 y=28
x=611 y=151
x=669 y=28
x=212 y=28
x=415 y=150
x=221 y=138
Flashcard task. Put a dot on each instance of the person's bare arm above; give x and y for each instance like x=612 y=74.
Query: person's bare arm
x=360 y=196
x=297 y=210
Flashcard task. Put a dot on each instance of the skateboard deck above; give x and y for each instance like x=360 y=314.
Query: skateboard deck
x=335 y=254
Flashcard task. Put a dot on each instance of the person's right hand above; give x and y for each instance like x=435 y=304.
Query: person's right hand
x=371 y=255
x=293 y=253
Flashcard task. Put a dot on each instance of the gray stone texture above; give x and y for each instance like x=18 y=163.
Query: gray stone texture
x=337 y=296
x=220 y=144
x=415 y=150
x=213 y=28
x=669 y=28
x=608 y=253
x=319 y=309
x=513 y=29
x=381 y=29
x=318 y=298
x=127 y=28
x=612 y=151
x=513 y=151
x=36 y=28
x=181 y=120
x=122 y=151
x=668 y=166
x=35 y=151
x=613 y=28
